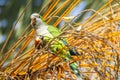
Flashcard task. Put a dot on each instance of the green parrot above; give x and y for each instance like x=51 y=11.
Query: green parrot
x=48 y=32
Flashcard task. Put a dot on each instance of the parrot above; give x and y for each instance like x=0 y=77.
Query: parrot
x=46 y=32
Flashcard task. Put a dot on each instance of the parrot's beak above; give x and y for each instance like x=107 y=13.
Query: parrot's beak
x=33 y=20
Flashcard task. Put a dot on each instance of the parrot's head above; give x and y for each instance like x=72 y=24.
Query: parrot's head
x=36 y=20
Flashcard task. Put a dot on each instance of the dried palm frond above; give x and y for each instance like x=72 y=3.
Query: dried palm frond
x=97 y=43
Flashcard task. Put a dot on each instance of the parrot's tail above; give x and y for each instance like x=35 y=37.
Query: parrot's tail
x=75 y=69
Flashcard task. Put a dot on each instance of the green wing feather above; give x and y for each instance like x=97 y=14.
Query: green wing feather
x=54 y=31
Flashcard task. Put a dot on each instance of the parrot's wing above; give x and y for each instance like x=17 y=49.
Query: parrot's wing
x=54 y=31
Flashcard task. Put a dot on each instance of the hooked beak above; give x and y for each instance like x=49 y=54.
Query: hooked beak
x=33 y=21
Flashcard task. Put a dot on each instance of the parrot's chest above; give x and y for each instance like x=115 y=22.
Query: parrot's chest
x=44 y=32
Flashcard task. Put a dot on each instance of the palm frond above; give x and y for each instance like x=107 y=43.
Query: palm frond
x=97 y=43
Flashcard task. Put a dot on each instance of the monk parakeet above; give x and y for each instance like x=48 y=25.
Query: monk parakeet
x=48 y=32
